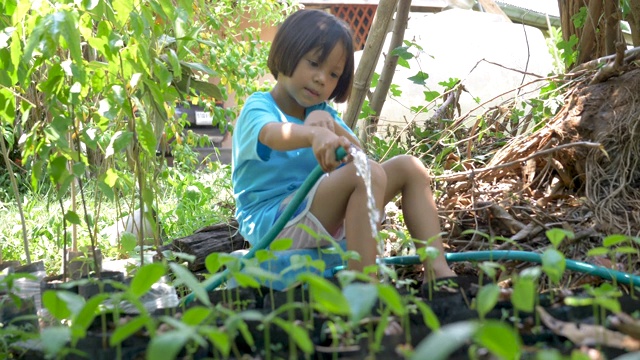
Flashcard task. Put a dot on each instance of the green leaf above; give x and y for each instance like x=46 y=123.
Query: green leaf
x=119 y=142
x=146 y=137
x=556 y=235
x=612 y=240
x=219 y=339
x=207 y=88
x=54 y=339
x=124 y=331
x=389 y=295
x=184 y=276
x=524 y=294
x=196 y=315
x=281 y=244
x=500 y=339
x=442 y=343
x=199 y=67
x=122 y=9
x=144 y=279
x=487 y=298
x=167 y=345
x=612 y=305
x=626 y=250
x=553 y=264
x=429 y=317
x=430 y=95
x=374 y=79
x=72 y=217
x=598 y=251
x=245 y=280
x=402 y=52
x=299 y=335
x=55 y=305
x=404 y=63
x=361 y=298
x=128 y=241
x=69 y=31
x=212 y=263
x=420 y=78
x=325 y=294
x=84 y=318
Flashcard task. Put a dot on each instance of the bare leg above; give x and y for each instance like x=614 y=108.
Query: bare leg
x=341 y=200
x=406 y=175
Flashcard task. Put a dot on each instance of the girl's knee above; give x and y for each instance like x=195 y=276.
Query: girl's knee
x=413 y=167
x=378 y=175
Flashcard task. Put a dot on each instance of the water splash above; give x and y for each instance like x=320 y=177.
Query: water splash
x=363 y=170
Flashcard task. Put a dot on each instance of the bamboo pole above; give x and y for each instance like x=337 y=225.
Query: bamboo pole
x=388 y=69
x=372 y=49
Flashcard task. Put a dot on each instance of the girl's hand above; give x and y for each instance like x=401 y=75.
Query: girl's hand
x=324 y=145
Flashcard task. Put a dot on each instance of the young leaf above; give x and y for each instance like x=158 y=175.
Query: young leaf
x=281 y=244
x=524 y=294
x=167 y=345
x=612 y=240
x=54 y=305
x=487 y=298
x=196 y=315
x=361 y=298
x=429 y=317
x=420 y=78
x=500 y=339
x=553 y=264
x=390 y=296
x=299 y=336
x=54 y=338
x=145 y=277
x=326 y=295
x=219 y=339
x=125 y=331
x=440 y=344
x=184 y=276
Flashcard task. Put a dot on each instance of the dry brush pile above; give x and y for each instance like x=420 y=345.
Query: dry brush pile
x=579 y=171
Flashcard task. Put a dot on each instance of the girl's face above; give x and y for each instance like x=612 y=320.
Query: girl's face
x=311 y=83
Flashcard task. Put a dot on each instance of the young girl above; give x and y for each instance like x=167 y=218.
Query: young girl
x=282 y=135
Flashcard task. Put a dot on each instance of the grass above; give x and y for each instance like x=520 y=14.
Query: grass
x=187 y=201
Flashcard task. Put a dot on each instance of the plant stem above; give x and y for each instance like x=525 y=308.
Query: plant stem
x=16 y=193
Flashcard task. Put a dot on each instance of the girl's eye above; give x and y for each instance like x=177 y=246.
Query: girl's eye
x=334 y=75
x=313 y=63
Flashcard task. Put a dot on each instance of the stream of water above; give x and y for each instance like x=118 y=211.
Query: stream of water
x=363 y=170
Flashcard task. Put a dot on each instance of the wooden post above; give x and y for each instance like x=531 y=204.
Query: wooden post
x=370 y=54
x=388 y=69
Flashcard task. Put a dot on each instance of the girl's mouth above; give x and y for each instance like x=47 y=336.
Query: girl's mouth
x=311 y=92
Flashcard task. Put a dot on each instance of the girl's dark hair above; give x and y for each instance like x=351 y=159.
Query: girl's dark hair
x=307 y=30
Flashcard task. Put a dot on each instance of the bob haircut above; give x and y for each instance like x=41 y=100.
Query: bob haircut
x=309 y=30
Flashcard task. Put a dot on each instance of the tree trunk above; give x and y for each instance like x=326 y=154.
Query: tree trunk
x=633 y=18
x=599 y=32
x=370 y=55
x=388 y=69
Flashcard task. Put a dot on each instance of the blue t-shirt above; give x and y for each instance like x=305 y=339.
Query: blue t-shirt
x=262 y=177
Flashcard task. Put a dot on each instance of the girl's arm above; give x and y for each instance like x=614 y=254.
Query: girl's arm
x=287 y=136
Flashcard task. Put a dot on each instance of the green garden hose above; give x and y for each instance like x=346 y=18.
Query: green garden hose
x=217 y=280
x=496 y=255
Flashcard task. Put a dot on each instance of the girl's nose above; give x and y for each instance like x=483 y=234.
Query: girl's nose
x=319 y=77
